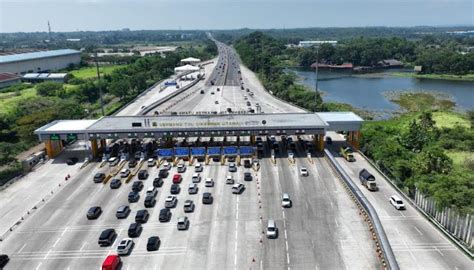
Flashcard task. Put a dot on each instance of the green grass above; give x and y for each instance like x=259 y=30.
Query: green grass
x=450 y=120
x=459 y=157
x=420 y=101
x=467 y=77
x=91 y=72
x=9 y=101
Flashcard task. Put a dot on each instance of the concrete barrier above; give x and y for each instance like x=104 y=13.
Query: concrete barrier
x=388 y=258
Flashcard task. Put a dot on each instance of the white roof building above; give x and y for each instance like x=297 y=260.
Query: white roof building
x=190 y=60
x=185 y=68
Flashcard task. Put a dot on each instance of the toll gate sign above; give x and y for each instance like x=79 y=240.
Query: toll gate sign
x=165 y=152
x=181 y=151
x=214 y=151
x=231 y=151
x=198 y=152
x=246 y=150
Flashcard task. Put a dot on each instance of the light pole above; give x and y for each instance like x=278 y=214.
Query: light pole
x=317 y=70
x=98 y=84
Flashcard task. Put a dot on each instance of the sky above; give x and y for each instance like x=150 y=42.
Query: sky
x=95 y=15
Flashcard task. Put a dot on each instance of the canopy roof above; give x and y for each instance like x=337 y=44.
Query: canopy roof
x=186 y=68
x=191 y=60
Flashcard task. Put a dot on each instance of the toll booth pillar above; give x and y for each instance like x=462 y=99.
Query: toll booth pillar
x=94 y=148
x=103 y=144
x=252 y=139
x=238 y=139
x=53 y=148
x=318 y=142
x=353 y=137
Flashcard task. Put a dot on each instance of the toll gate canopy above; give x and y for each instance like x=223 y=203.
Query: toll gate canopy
x=115 y=127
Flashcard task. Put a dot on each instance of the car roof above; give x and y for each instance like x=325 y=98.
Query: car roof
x=181 y=219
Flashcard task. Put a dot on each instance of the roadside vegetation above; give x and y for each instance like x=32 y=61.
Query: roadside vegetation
x=25 y=107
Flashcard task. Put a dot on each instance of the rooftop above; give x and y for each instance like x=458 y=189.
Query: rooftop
x=8 y=77
x=35 y=55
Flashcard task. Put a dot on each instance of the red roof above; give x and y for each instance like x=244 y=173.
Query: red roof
x=8 y=77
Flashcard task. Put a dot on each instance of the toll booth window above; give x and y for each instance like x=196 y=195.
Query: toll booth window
x=136 y=124
x=154 y=124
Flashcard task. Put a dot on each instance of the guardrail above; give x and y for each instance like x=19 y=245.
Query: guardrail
x=435 y=222
x=388 y=258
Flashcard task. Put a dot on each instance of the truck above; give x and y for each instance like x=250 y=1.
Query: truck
x=347 y=153
x=367 y=180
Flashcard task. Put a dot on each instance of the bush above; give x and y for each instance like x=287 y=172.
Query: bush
x=49 y=89
x=10 y=172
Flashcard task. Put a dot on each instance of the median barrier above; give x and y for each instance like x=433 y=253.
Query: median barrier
x=388 y=258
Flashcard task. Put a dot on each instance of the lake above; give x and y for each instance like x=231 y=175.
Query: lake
x=367 y=92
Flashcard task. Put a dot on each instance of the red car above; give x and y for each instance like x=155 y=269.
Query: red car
x=112 y=262
x=177 y=178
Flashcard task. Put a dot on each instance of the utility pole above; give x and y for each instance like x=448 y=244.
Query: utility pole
x=317 y=73
x=98 y=84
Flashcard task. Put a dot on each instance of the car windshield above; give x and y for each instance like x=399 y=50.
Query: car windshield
x=399 y=202
x=122 y=246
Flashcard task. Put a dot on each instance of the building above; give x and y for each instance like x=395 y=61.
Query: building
x=7 y=79
x=39 y=61
x=310 y=43
x=43 y=77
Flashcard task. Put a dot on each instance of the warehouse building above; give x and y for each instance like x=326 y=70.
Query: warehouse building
x=39 y=61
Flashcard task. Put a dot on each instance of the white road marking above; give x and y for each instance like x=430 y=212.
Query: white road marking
x=65 y=229
x=437 y=250
x=335 y=221
x=418 y=230
x=261 y=265
x=283 y=214
x=39 y=265
x=83 y=245
x=21 y=249
x=55 y=243
x=46 y=256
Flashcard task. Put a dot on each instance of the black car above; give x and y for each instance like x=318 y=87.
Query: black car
x=150 y=201
x=247 y=163
x=142 y=175
x=107 y=237
x=137 y=186
x=247 y=176
x=207 y=198
x=94 y=212
x=175 y=189
x=123 y=211
x=99 y=177
x=134 y=230
x=72 y=161
x=115 y=183
x=153 y=243
x=3 y=260
x=133 y=197
x=328 y=140
x=132 y=163
x=231 y=159
x=158 y=182
x=163 y=173
x=165 y=215
x=142 y=216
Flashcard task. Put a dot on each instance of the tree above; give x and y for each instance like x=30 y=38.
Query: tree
x=119 y=88
x=433 y=160
x=48 y=89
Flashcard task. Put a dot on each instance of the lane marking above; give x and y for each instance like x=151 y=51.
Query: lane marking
x=21 y=249
x=418 y=230
x=39 y=265
x=46 y=256
x=85 y=243
x=65 y=229
x=55 y=243
x=437 y=250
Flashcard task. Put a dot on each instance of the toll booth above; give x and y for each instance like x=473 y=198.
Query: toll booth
x=213 y=152
x=198 y=153
x=246 y=151
x=181 y=153
x=165 y=153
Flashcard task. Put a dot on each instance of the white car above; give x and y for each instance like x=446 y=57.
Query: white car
x=196 y=178
x=304 y=171
x=151 y=162
x=232 y=167
x=285 y=200
x=198 y=167
x=238 y=188
x=397 y=202
x=125 y=246
x=124 y=173
x=171 y=201
x=209 y=182
x=193 y=188
x=181 y=168
x=229 y=180
x=167 y=166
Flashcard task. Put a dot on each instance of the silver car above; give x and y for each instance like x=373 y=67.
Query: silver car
x=125 y=246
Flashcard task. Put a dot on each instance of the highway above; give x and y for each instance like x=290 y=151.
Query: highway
x=322 y=230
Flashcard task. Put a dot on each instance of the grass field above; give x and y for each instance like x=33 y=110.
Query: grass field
x=450 y=120
x=8 y=101
x=91 y=72
x=420 y=101
x=467 y=77
x=459 y=157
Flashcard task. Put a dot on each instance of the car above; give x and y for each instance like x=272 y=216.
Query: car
x=218 y=89
x=202 y=92
x=247 y=163
x=193 y=188
x=142 y=175
x=122 y=211
x=286 y=201
x=115 y=183
x=291 y=155
x=153 y=243
x=138 y=155
x=181 y=168
x=207 y=198
x=304 y=171
x=150 y=201
x=99 y=177
x=167 y=166
x=163 y=173
x=249 y=104
x=137 y=186
x=142 y=216
x=134 y=230
x=94 y=212
x=272 y=230
x=229 y=110
x=125 y=246
x=72 y=161
x=212 y=93
x=247 y=176
x=124 y=173
x=151 y=162
x=229 y=180
x=216 y=102
x=188 y=206
x=158 y=182
x=133 y=196
x=175 y=189
x=177 y=178
x=165 y=215
x=107 y=237
x=183 y=223
x=196 y=178
x=209 y=182
x=328 y=140
x=397 y=202
x=132 y=163
x=171 y=201
x=113 y=161
x=151 y=191
x=3 y=260
x=232 y=167
x=198 y=167
x=238 y=188
x=231 y=158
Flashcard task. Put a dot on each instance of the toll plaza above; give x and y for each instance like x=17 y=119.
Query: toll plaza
x=166 y=129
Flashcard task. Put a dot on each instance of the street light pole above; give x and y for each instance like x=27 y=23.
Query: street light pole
x=100 y=88
x=317 y=75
